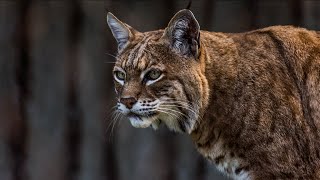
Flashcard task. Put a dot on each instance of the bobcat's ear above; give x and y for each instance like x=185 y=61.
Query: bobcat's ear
x=121 y=31
x=183 y=32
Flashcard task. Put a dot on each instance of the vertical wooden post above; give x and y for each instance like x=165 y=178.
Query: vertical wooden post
x=92 y=87
x=297 y=12
x=208 y=7
x=311 y=14
x=47 y=103
x=9 y=107
x=252 y=6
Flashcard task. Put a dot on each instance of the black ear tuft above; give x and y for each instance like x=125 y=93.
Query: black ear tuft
x=189 y=4
x=183 y=33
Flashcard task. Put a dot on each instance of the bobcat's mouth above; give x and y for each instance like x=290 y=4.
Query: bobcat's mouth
x=134 y=115
x=141 y=121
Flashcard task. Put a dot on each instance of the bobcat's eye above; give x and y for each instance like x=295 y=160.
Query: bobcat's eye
x=121 y=76
x=153 y=75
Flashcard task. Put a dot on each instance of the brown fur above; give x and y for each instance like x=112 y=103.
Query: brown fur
x=256 y=96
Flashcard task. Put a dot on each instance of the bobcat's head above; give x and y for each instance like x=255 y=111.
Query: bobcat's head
x=159 y=75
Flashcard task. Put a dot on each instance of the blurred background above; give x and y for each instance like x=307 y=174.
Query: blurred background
x=56 y=90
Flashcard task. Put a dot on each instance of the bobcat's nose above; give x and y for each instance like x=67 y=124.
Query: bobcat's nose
x=128 y=102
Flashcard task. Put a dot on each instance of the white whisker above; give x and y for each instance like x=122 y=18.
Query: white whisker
x=111 y=55
x=168 y=113
x=110 y=62
x=114 y=119
x=171 y=102
x=189 y=109
x=175 y=111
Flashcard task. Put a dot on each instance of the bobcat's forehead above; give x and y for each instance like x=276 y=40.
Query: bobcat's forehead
x=141 y=53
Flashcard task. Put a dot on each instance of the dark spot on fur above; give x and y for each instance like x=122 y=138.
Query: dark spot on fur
x=218 y=159
x=297 y=164
x=232 y=154
x=241 y=155
x=240 y=169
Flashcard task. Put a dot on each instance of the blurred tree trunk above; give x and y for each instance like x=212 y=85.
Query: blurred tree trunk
x=93 y=85
x=9 y=107
x=108 y=62
x=311 y=14
x=253 y=10
x=47 y=103
x=297 y=12
x=208 y=7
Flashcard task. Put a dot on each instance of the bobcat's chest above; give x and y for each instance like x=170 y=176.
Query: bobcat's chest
x=226 y=161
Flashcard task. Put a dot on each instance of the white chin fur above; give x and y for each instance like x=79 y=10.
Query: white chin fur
x=138 y=123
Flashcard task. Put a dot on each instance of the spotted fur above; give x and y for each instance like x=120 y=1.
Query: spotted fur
x=250 y=101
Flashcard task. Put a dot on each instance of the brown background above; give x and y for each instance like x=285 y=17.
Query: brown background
x=56 y=90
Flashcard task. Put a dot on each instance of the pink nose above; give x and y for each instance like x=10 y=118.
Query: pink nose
x=128 y=102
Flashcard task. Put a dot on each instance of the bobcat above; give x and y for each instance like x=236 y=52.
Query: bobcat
x=250 y=101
